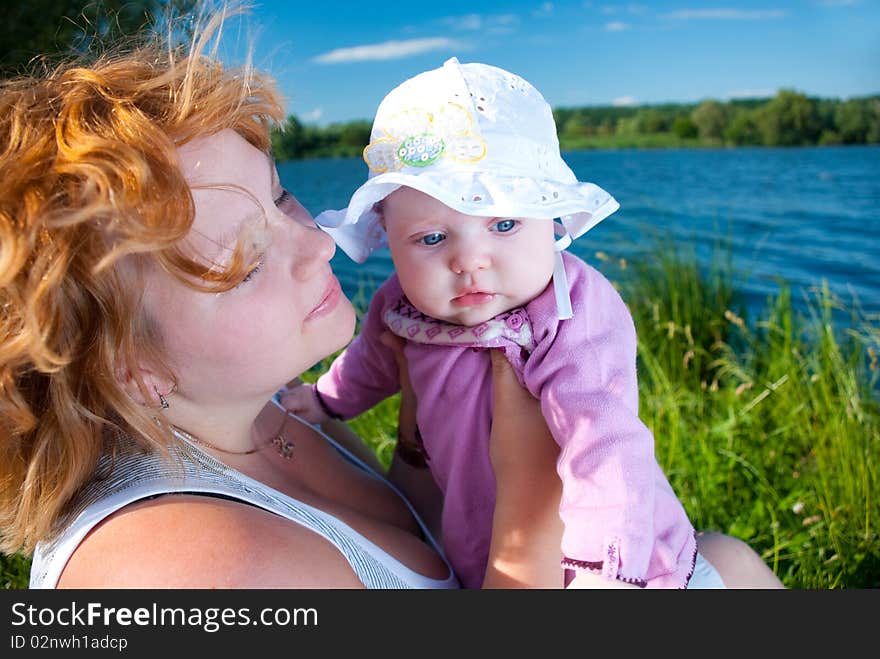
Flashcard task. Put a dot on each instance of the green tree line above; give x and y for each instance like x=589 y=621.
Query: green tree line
x=45 y=31
x=790 y=118
x=294 y=139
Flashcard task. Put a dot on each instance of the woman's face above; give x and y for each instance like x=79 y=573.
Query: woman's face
x=286 y=316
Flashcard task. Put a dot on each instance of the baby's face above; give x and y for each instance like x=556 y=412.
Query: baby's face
x=465 y=269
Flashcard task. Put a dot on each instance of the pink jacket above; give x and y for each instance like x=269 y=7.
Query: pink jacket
x=621 y=517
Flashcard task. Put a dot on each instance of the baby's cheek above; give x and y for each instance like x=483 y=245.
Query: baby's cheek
x=427 y=299
x=410 y=279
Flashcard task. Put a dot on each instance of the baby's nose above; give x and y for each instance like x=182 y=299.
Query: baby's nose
x=469 y=259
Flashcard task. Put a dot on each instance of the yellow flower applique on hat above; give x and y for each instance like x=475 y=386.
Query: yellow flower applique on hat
x=419 y=138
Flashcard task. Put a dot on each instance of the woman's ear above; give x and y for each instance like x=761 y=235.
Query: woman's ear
x=156 y=386
x=378 y=209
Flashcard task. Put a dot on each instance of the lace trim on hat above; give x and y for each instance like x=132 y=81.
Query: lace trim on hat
x=406 y=321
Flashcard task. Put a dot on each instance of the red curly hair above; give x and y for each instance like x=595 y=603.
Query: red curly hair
x=90 y=185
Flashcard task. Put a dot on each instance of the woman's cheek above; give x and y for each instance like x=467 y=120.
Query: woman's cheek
x=241 y=328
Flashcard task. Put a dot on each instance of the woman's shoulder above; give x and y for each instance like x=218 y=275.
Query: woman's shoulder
x=191 y=541
x=177 y=521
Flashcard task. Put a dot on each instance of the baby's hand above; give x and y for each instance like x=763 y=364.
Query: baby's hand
x=302 y=400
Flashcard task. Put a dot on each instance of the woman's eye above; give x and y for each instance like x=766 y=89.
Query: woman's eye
x=290 y=206
x=504 y=226
x=287 y=203
x=283 y=198
x=253 y=272
x=432 y=238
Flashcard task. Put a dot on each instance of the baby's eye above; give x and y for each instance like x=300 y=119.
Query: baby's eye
x=432 y=238
x=504 y=226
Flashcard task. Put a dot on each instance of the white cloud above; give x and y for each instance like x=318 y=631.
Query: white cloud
x=504 y=19
x=726 y=14
x=494 y=23
x=474 y=22
x=386 y=50
x=624 y=101
x=750 y=93
x=623 y=9
x=616 y=26
x=312 y=115
x=468 y=22
x=545 y=9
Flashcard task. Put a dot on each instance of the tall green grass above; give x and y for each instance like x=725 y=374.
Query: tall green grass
x=767 y=427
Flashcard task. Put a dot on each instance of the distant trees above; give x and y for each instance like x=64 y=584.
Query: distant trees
x=742 y=129
x=710 y=117
x=788 y=119
x=856 y=122
x=684 y=127
x=53 y=29
x=297 y=140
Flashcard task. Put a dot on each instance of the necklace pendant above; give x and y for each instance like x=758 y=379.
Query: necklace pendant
x=284 y=448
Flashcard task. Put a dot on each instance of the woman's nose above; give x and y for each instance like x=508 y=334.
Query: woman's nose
x=469 y=258
x=314 y=248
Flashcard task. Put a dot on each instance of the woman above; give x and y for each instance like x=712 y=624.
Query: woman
x=158 y=287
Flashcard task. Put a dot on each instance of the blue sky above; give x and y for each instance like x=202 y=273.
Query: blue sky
x=335 y=61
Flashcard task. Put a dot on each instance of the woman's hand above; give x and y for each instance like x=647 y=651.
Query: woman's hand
x=527 y=530
x=410 y=448
x=409 y=469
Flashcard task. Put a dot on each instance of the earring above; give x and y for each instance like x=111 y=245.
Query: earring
x=163 y=402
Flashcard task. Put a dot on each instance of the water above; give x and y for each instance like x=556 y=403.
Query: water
x=800 y=215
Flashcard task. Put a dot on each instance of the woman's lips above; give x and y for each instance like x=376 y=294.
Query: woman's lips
x=329 y=300
x=473 y=299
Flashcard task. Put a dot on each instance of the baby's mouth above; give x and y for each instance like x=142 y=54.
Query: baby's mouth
x=472 y=298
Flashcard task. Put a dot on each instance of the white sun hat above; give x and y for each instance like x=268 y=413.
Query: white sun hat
x=479 y=139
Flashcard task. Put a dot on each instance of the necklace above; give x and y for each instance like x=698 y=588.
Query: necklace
x=283 y=447
x=202 y=442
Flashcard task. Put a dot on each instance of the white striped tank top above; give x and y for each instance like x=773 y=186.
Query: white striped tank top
x=137 y=475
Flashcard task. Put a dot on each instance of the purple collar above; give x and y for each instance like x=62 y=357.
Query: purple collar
x=411 y=324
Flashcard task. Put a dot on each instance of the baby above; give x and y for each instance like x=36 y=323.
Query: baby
x=469 y=191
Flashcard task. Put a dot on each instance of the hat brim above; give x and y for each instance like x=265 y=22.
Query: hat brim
x=579 y=206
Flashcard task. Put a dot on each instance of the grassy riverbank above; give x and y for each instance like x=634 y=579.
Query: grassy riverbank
x=768 y=427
